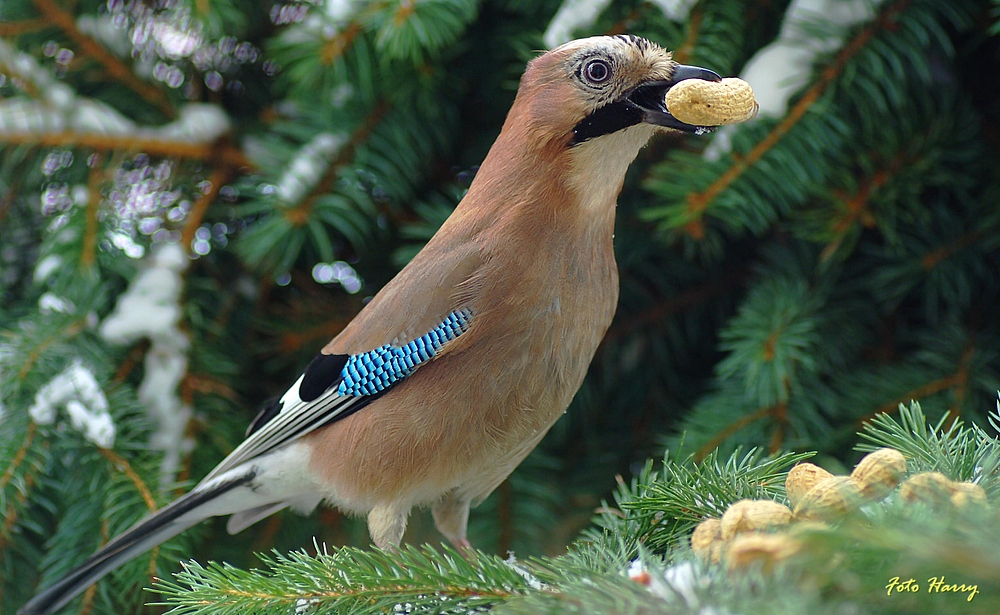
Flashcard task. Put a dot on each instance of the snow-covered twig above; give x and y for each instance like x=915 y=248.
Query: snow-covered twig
x=782 y=68
x=150 y=308
x=76 y=389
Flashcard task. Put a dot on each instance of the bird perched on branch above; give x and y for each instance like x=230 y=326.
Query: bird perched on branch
x=452 y=374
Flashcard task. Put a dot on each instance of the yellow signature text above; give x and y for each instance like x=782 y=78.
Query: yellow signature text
x=935 y=585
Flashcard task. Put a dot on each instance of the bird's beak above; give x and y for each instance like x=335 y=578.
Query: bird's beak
x=648 y=99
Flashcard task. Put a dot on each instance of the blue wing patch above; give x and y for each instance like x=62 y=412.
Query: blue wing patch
x=374 y=371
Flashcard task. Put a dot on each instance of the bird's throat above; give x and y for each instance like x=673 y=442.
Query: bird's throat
x=598 y=166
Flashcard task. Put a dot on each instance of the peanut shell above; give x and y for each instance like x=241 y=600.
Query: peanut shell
x=931 y=488
x=879 y=472
x=711 y=103
x=801 y=479
x=753 y=515
x=706 y=541
x=830 y=499
x=964 y=494
x=767 y=549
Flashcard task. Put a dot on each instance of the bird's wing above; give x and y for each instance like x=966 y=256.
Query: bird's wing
x=403 y=327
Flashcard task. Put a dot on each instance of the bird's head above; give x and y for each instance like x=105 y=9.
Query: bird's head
x=603 y=85
x=582 y=113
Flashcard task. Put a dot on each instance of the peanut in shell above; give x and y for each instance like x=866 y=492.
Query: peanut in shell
x=711 y=103
x=879 y=472
x=931 y=488
x=829 y=500
x=964 y=494
x=766 y=549
x=752 y=516
x=801 y=479
x=706 y=541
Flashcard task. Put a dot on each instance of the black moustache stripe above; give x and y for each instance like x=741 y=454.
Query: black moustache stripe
x=606 y=120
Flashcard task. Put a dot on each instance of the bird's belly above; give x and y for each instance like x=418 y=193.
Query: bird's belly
x=466 y=419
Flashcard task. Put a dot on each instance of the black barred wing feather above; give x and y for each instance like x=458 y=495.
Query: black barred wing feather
x=335 y=386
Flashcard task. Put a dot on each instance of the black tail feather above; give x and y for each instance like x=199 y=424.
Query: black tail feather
x=151 y=531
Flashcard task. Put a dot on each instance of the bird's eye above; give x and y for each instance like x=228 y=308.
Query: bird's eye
x=597 y=71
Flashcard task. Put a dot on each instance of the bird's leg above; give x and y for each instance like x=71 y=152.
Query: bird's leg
x=386 y=524
x=451 y=516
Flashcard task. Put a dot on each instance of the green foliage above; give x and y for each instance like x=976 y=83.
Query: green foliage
x=840 y=260
x=844 y=566
x=658 y=507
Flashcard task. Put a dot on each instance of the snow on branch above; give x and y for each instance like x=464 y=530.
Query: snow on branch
x=60 y=109
x=571 y=16
x=150 y=309
x=77 y=390
x=783 y=67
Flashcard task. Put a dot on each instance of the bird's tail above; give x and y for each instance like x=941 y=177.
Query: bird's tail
x=141 y=537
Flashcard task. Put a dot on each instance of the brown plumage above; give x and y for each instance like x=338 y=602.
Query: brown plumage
x=530 y=250
x=529 y=253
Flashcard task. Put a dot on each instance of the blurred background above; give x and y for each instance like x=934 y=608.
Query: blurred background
x=196 y=195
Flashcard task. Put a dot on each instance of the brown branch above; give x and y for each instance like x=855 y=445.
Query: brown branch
x=339 y=44
x=299 y=215
x=856 y=206
x=677 y=304
x=220 y=152
x=16 y=28
x=59 y=336
x=219 y=177
x=732 y=428
x=202 y=383
x=505 y=517
x=93 y=200
x=119 y=71
x=292 y=341
x=136 y=354
x=120 y=463
x=686 y=49
x=10 y=515
x=932 y=387
x=780 y=415
x=698 y=202
x=933 y=258
x=18 y=456
x=626 y=23
x=961 y=381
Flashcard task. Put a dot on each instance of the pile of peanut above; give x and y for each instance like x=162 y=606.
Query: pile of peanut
x=818 y=498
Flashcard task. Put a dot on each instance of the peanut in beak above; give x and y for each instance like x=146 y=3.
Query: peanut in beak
x=711 y=103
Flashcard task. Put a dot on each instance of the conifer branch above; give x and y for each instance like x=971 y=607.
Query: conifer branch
x=698 y=202
x=856 y=205
x=18 y=456
x=626 y=23
x=219 y=177
x=720 y=437
x=16 y=28
x=112 y=65
x=293 y=341
x=62 y=335
x=934 y=257
x=684 y=51
x=219 y=152
x=94 y=177
x=958 y=379
x=337 y=46
x=121 y=464
x=10 y=515
x=299 y=215
x=134 y=356
x=677 y=304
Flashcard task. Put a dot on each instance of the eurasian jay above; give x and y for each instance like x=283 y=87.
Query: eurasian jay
x=455 y=370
